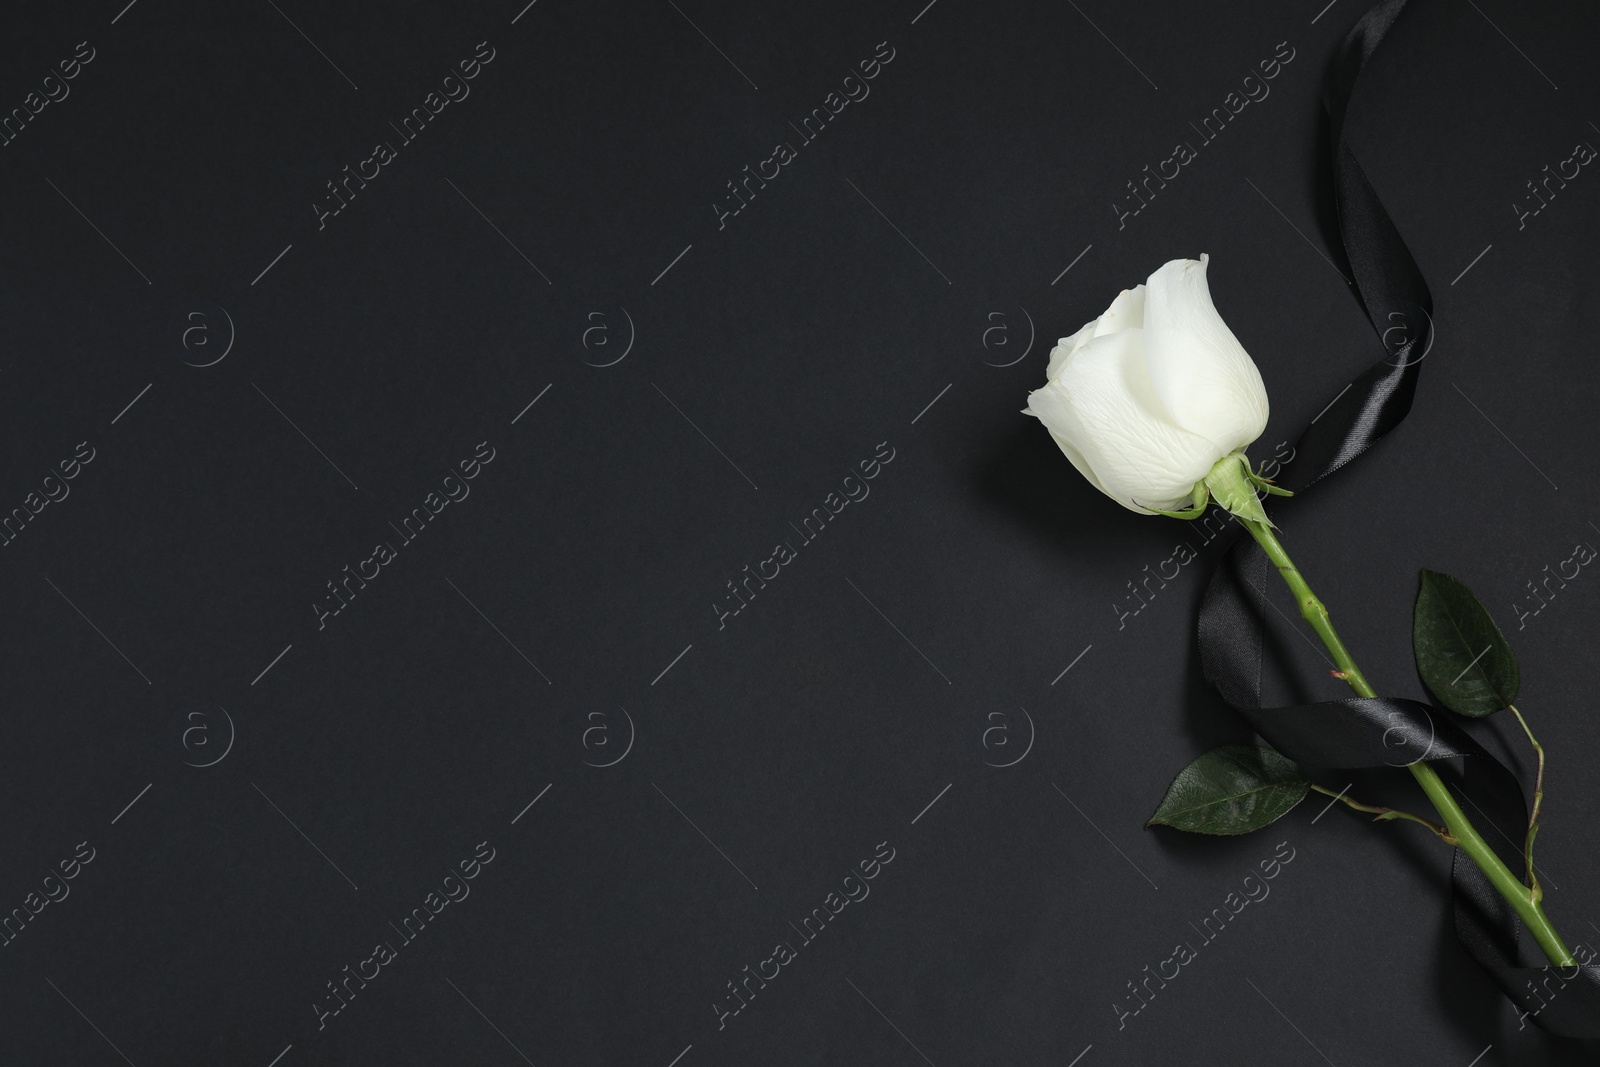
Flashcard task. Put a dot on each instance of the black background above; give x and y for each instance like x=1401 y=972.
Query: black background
x=913 y=253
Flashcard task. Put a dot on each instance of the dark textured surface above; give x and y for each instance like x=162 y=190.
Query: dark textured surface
x=493 y=657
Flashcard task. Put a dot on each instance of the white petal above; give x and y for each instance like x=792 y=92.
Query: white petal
x=1104 y=413
x=1125 y=313
x=1070 y=450
x=1204 y=377
x=1064 y=349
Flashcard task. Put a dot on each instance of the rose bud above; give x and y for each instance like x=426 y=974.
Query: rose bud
x=1149 y=397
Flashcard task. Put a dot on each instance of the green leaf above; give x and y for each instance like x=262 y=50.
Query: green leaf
x=1463 y=658
x=1232 y=790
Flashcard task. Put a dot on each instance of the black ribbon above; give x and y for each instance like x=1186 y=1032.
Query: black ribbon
x=1377 y=732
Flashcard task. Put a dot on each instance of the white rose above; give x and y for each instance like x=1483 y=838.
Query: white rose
x=1147 y=398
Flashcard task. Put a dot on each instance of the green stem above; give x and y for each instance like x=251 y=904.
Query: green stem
x=1520 y=897
x=1387 y=814
x=1538 y=803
